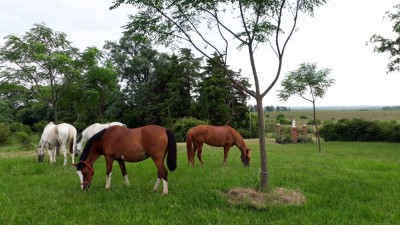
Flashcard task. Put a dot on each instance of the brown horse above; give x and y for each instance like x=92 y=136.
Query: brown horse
x=219 y=136
x=131 y=145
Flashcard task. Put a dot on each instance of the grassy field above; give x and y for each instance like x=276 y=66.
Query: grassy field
x=325 y=115
x=348 y=183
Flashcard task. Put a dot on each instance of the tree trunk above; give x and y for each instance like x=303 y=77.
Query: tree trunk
x=263 y=147
x=55 y=115
x=316 y=128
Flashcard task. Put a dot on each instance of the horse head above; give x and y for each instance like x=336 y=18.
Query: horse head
x=78 y=149
x=246 y=154
x=85 y=172
x=41 y=151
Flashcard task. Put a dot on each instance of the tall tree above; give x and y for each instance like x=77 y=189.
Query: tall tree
x=391 y=46
x=40 y=58
x=99 y=84
x=309 y=83
x=220 y=101
x=248 y=24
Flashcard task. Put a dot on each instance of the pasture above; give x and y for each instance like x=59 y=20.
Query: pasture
x=325 y=115
x=348 y=183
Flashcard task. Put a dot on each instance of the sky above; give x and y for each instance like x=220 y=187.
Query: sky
x=334 y=38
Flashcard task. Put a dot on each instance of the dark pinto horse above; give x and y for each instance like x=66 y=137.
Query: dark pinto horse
x=130 y=145
x=219 y=136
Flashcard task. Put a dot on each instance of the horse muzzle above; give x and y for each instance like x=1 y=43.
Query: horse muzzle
x=86 y=186
x=40 y=158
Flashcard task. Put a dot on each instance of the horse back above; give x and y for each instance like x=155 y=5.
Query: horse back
x=212 y=135
x=135 y=144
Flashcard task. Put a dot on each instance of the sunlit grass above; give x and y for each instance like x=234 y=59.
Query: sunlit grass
x=348 y=183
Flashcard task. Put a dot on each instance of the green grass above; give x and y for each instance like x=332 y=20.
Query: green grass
x=325 y=115
x=348 y=183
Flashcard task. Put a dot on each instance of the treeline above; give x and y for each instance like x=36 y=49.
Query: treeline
x=44 y=78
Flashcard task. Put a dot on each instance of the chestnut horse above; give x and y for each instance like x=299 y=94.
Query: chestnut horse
x=130 y=145
x=92 y=130
x=219 y=136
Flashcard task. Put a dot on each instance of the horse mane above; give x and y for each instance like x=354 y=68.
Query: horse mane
x=238 y=138
x=78 y=139
x=86 y=150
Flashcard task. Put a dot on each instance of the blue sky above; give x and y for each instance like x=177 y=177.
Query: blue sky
x=334 y=38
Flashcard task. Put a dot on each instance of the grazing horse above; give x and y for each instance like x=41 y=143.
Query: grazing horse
x=130 y=145
x=219 y=136
x=57 y=135
x=92 y=130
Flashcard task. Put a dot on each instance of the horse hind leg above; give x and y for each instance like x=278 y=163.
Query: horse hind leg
x=123 y=171
x=199 y=151
x=64 y=151
x=192 y=154
x=162 y=175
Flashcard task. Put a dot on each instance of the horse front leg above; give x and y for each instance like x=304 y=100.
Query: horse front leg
x=109 y=164
x=52 y=155
x=162 y=174
x=123 y=171
x=226 y=150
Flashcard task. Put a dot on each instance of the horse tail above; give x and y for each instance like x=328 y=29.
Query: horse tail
x=72 y=139
x=71 y=145
x=171 y=149
x=189 y=144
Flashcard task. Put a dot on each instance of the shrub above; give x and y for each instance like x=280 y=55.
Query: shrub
x=19 y=127
x=5 y=134
x=304 y=139
x=247 y=134
x=39 y=126
x=182 y=126
x=360 y=130
x=25 y=140
x=311 y=122
x=283 y=139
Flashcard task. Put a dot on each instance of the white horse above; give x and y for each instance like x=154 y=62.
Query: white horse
x=92 y=130
x=57 y=135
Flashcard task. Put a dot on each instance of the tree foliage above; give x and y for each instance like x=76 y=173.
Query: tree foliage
x=309 y=83
x=248 y=24
x=389 y=45
x=41 y=60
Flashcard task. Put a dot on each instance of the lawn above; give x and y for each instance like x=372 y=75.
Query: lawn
x=348 y=183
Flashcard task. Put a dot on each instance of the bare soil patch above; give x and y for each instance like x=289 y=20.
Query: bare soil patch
x=278 y=196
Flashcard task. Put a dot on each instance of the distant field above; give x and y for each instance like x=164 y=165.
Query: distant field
x=324 y=115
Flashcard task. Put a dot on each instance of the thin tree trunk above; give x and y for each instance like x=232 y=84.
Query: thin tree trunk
x=316 y=127
x=263 y=148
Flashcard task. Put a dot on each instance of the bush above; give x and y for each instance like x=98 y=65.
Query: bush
x=39 y=126
x=19 y=127
x=247 y=134
x=5 y=134
x=311 y=122
x=25 y=140
x=283 y=139
x=360 y=130
x=182 y=126
x=304 y=139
